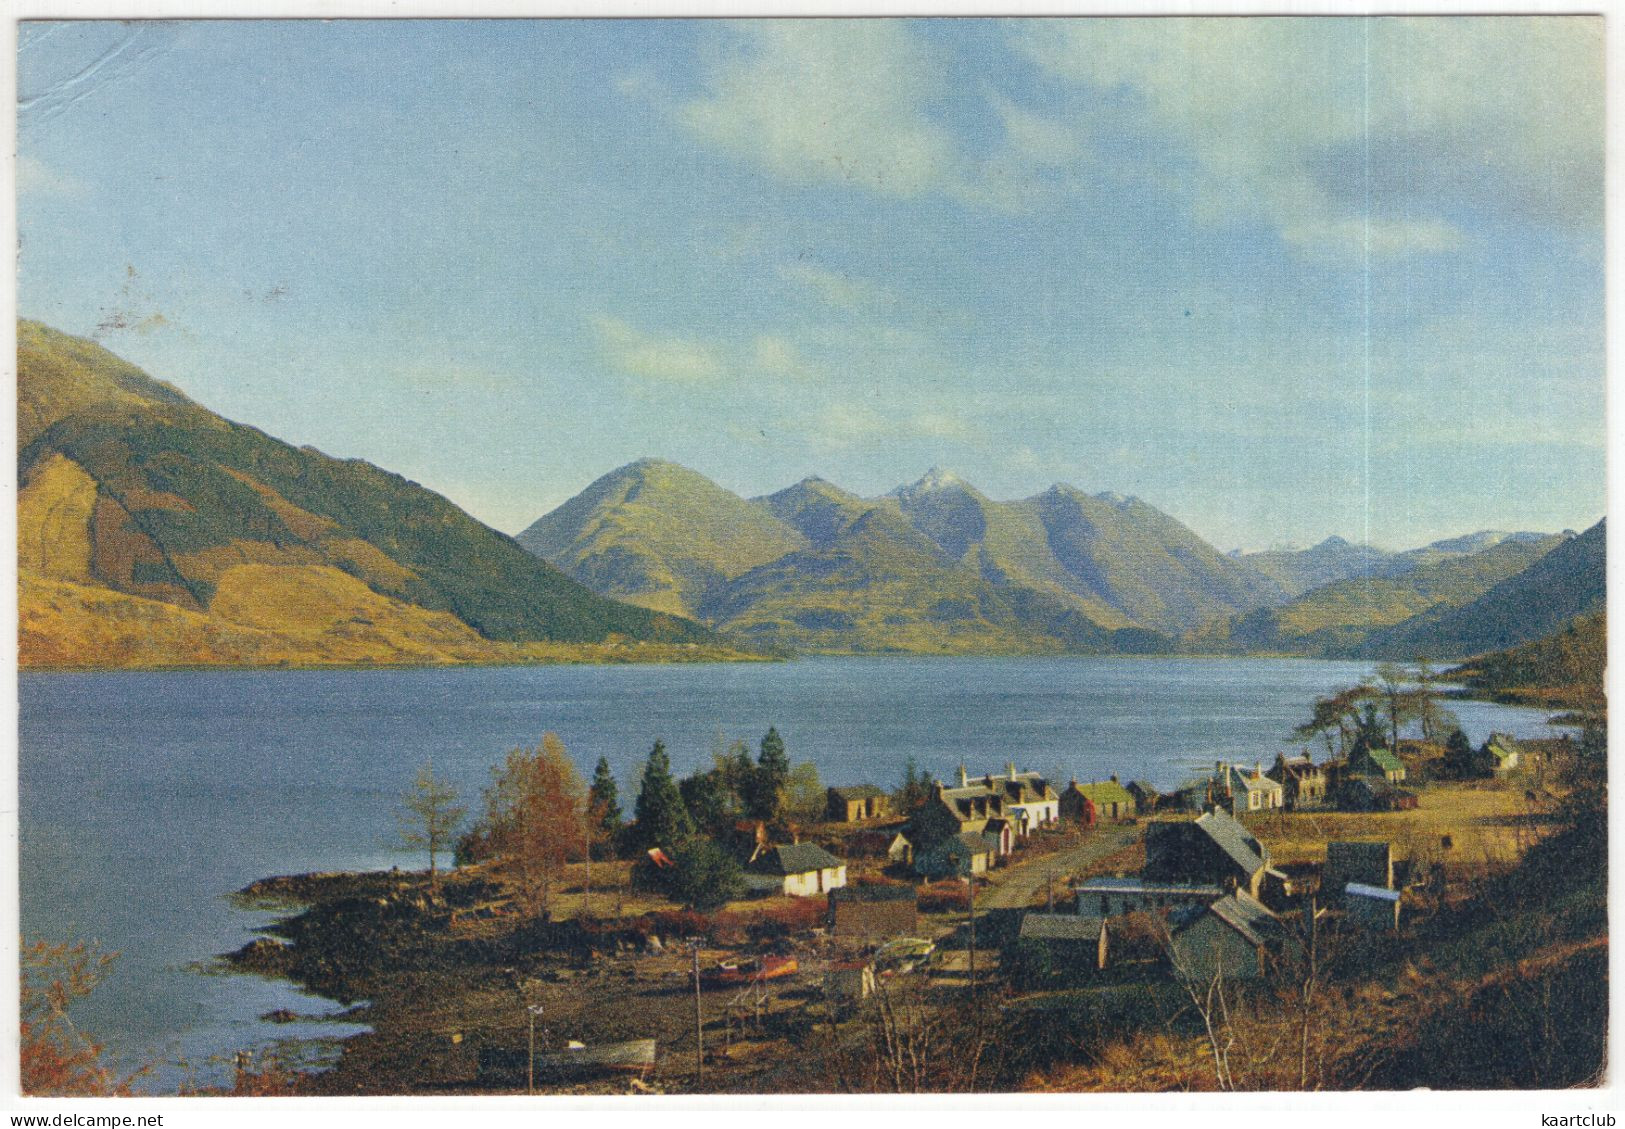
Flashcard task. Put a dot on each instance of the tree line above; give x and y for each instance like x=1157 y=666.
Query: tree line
x=537 y=817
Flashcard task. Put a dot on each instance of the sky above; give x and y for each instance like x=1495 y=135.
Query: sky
x=1281 y=278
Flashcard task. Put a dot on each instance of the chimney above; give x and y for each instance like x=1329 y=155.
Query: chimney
x=964 y=781
x=1011 y=767
x=1114 y=778
x=1258 y=768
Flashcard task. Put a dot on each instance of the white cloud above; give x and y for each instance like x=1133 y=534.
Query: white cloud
x=767 y=358
x=835 y=100
x=669 y=359
x=848 y=102
x=1316 y=123
x=849 y=424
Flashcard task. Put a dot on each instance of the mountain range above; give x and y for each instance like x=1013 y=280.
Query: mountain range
x=153 y=532
x=936 y=565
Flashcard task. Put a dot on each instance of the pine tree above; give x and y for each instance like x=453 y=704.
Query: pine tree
x=604 y=802
x=709 y=802
x=772 y=759
x=660 y=817
x=1458 y=753
x=764 y=797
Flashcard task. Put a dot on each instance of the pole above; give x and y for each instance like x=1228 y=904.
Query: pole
x=973 y=932
x=699 y=1027
x=533 y=1010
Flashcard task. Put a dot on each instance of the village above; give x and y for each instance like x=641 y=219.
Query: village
x=899 y=938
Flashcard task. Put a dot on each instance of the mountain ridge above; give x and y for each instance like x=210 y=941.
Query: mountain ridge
x=128 y=487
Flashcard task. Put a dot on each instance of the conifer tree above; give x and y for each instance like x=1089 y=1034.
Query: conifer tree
x=764 y=797
x=660 y=817
x=604 y=802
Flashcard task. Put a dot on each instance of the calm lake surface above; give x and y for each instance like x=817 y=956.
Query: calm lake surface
x=146 y=798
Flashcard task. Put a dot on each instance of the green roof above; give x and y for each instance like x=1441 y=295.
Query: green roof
x=1108 y=792
x=1385 y=760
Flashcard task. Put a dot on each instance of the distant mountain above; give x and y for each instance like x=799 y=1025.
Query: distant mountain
x=1341 y=619
x=1300 y=570
x=659 y=535
x=153 y=531
x=934 y=565
x=1571 y=580
x=1304 y=570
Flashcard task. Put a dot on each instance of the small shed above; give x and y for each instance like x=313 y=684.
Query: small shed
x=1232 y=939
x=969 y=852
x=1371 y=907
x=1078 y=939
x=1146 y=796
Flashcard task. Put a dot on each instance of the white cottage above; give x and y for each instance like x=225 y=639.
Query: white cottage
x=801 y=870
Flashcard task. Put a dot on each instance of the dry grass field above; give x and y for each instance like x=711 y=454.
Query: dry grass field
x=1487 y=824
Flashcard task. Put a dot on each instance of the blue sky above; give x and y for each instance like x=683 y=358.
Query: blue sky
x=1281 y=278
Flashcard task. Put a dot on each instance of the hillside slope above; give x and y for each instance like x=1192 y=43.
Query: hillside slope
x=933 y=566
x=128 y=487
x=1571 y=580
x=1342 y=618
x=658 y=535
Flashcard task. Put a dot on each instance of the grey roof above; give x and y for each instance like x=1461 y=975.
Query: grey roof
x=1246 y=915
x=979 y=843
x=1234 y=839
x=858 y=791
x=1361 y=890
x=1141 y=886
x=1061 y=927
x=1240 y=777
x=796 y=858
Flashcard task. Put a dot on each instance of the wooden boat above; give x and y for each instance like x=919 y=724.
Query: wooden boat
x=635 y=1055
x=735 y=973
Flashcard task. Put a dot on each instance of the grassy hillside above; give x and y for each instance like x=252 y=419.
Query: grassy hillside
x=1339 y=619
x=127 y=486
x=658 y=535
x=1565 y=668
x=932 y=567
x=1141 y=561
x=877 y=585
x=1569 y=581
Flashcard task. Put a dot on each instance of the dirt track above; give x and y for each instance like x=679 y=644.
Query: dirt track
x=1021 y=884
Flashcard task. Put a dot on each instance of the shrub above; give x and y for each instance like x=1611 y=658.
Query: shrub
x=945 y=897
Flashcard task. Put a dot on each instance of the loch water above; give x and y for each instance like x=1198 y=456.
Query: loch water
x=146 y=798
